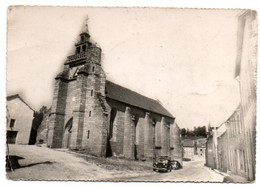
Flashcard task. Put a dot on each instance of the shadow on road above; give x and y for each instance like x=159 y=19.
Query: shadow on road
x=12 y=163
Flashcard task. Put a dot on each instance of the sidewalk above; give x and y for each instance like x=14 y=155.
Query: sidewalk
x=231 y=178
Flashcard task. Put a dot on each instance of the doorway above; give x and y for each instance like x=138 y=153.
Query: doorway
x=11 y=137
x=67 y=134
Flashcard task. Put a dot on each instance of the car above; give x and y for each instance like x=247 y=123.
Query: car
x=176 y=164
x=163 y=164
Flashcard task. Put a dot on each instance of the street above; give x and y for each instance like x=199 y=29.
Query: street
x=193 y=171
x=41 y=163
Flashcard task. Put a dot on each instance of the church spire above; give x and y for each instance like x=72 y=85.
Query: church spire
x=86 y=25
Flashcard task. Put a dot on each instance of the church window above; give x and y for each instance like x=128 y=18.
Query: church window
x=75 y=73
x=12 y=123
x=111 y=126
x=84 y=48
x=89 y=114
x=78 y=50
x=88 y=134
x=82 y=38
x=91 y=93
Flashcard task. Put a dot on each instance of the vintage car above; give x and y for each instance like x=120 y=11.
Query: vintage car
x=162 y=164
x=176 y=164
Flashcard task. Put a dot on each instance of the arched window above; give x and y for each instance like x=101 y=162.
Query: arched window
x=93 y=69
x=84 y=48
x=137 y=129
x=112 y=120
x=82 y=38
x=88 y=135
x=78 y=50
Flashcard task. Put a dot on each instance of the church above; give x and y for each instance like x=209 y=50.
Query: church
x=94 y=115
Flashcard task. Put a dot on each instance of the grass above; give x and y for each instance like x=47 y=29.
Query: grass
x=116 y=163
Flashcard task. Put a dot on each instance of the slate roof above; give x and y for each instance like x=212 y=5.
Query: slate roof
x=124 y=95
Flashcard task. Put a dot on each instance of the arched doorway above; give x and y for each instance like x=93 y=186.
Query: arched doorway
x=67 y=134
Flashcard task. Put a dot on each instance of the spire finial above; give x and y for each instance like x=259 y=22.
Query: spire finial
x=87 y=24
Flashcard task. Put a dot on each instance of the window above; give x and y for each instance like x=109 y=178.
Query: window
x=84 y=48
x=82 y=38
x=89 y=114
x=91 y=93
x=78 y=50
x=93 y=68
x=12 y=123
x=88 y=134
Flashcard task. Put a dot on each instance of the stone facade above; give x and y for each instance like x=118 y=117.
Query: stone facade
x=94 y=115
x=42 y=131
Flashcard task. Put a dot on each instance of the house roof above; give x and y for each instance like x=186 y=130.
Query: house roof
x=124 y=95
x=17 y=96
x=201 y=142
x=188 y=143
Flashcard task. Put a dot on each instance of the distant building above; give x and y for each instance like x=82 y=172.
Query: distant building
x=19 y=120
x=200 y=147
x=211 y=148
x=221 y=148
x=188 y=148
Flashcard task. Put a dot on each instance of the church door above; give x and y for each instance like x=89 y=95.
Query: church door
x=67 y=134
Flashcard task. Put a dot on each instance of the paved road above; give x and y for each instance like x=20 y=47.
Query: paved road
x=193 y=171
x=41 y=163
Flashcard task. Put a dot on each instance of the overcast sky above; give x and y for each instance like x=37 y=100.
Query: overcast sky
x=183 y=57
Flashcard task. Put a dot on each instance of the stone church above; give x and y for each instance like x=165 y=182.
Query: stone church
x=92 y=114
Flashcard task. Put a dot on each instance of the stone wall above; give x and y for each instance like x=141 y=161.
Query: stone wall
x=56 y=124
x=141 y=135
x=175 y=143
x=42 y=132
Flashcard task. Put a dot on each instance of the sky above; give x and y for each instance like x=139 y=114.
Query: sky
x=185 y=58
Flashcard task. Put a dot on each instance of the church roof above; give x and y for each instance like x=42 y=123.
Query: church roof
x=124 y=95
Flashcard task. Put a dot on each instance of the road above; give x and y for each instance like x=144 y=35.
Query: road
x=193 y=171
x=40 y=163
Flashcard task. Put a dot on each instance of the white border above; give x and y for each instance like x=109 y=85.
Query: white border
x=248 y=4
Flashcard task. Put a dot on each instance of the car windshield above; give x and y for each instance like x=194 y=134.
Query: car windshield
x=163 y=161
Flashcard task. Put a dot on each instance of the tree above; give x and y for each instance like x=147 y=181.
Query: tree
x=183 y=132
x=37 y=120
x=199 y=131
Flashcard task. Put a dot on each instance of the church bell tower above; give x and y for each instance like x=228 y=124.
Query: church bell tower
x=78 y=97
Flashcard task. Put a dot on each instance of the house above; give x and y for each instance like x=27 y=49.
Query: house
x=188 y=149
x=200 y=147
x=19 y=120
x=232 y=149
x=246 y=71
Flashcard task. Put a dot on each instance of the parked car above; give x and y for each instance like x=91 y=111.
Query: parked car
x=176 y=164
x=162 y=164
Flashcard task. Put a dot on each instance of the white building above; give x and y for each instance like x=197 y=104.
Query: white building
x=19 y=120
